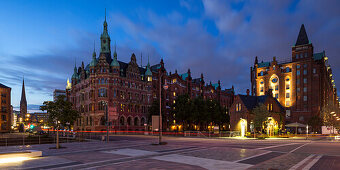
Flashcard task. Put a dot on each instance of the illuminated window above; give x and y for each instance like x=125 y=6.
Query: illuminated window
x=174 y=93
x=174 y=80
x=287 y=103
x=287 y=86
x=149 y=78
x=287 y=95
x=276 y=87
x=261 y=89
x=276 y=95
x=298 y=66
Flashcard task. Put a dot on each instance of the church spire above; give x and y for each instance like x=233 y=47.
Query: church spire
x=302 y=37
x=23 y=101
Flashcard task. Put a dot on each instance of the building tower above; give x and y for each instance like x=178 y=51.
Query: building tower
x=23 y=102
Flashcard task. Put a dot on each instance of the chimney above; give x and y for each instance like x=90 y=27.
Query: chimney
x=248 y=92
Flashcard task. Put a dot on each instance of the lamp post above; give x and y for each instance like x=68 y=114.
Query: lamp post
x=160 y=109
x=107 y=121
x=307 y=131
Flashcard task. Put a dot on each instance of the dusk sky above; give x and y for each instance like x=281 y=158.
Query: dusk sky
x=41 y=40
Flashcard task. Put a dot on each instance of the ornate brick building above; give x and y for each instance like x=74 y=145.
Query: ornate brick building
x=303 y=85
x=5 y=108
x=127 y=90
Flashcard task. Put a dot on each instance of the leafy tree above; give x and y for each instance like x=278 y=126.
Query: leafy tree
x=60 y=113
x=183 y=109
x=153 y=110
x=315 y=122
x=260 y=115
x=327 y=114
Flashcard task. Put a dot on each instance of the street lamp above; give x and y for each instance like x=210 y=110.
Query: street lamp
x=107 y=121
x=160 y=106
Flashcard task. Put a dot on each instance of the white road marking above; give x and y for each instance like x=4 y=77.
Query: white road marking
x=301 y=162
x=277 y=146
x=298 y=147
x=130 y=152
x=311 y=163
x=252 y=156
x=202 y=162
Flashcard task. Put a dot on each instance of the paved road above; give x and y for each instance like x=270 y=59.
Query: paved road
x=137 y=152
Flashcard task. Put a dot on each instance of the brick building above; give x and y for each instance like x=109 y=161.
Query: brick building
x=127 y=90
x=241 y=112
x=5 y=108
x=303 y=85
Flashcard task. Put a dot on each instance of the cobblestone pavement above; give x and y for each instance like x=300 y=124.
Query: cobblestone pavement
x=138 y=152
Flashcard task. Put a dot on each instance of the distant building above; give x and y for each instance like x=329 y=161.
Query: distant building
x=57 y=93
x=304 y=84
x=5 y=108
x=39 y=117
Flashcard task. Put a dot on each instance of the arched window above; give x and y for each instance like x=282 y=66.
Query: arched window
x=129 y=121
x=136 y=121
x=122 y=121
x=142 y=122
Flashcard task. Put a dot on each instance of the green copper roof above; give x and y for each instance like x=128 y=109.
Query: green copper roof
x=215 y=85
x=264 y=64
x=75 y=74
x=114 y=62
x=148 y=71
x=318 y=56
x=94 y=60
x=184 y=76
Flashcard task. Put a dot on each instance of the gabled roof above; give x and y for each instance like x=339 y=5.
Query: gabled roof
x=215 y=85
x=3 y=86
x=302 y=37
x=252 y=101
x=263 y=64
x=154 y=68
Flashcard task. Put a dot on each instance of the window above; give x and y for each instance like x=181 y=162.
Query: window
x=238 y=107
x=298 y=66
x=314 y=71
x=305 y=89
x=306 y=55
x=102 y=92
x=304 y=72
x=287 y=95
x=3 y=117
x=301 y=55
x=298 y=72
x=261 y=82
x=261 y=73
x=305 y=98
x=287 y=86
x=305 y=80
x=298 y=89
x=274 y=80
x=297 y=56
x=261 y=89
x=287 y=103
x=305 y=66
x=276 y=95
x=298 y=81
x=287 y=69
x=276 y=87
x=174 y=80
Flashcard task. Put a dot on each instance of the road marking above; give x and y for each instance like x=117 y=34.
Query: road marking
x=277 y=146
x=311 y=163
x=298 y=147
x=202 y=162
x=252 y=156
x=301 y=162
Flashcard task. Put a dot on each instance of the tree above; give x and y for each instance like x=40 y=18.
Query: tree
x=315 y=122
x=327 y=114
x=153 y=110
x=183 y=110
x=60 y=113
x=260 y=115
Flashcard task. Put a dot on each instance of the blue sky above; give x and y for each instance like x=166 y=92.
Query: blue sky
x=41 y=40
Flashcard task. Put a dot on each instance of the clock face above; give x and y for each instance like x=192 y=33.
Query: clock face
x=274 y=80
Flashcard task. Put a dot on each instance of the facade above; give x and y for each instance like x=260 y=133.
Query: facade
x=303 y=85
x=125 y=91
x=241 y=112
x=5 y=108
x=58 y=92
x=39 y=117
x=179 y=84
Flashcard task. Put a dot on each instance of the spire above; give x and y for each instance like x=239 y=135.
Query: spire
x=105 y=39
x=256 y=60
x=23 y=101
x=75 y=74
x=115 y=53
x=302 y=37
